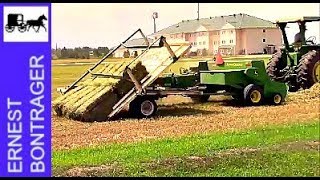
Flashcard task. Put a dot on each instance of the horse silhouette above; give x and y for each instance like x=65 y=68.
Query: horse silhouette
x=37 y=23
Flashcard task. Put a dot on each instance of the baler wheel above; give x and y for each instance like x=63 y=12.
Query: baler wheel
x=253 y=94
x=276 y=99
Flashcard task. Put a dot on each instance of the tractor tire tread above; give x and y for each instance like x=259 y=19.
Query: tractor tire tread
x=305 y=67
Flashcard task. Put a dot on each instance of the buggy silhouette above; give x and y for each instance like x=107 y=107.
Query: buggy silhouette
x=15 y=20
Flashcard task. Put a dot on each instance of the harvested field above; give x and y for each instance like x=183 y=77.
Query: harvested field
x=178 y=116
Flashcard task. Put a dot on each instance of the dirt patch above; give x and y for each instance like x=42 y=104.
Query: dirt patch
x=215 y=158
x=115 y=169
x=96 y=171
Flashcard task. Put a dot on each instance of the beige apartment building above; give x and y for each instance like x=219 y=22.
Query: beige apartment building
x=237 y=34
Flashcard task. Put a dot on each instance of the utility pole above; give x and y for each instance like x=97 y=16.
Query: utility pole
x=154 y=16
x=198 y=11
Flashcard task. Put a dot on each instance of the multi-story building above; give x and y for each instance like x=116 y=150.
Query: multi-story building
x=233 y=34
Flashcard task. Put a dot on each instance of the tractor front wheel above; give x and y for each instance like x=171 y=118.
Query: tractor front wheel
x=308 y=70
x=253 y=95
x=274 y=66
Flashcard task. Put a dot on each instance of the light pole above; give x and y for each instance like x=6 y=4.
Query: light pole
x=154 y=16
x=198 y=11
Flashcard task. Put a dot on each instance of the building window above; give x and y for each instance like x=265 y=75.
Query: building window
x=263 y=40
x=231 y=32
x=264 y=30
x=231 y=41
x=222 y=51
x=189 y=35
x=204 y=43
x=223 y=41
x=195 y=43
x=199 y=43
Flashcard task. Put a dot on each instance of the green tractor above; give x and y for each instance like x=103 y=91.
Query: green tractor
x=296 y=64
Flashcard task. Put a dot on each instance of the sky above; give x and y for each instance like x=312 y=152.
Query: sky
x=109 y=24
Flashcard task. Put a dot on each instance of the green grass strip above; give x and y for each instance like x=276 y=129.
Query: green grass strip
x=194 y=145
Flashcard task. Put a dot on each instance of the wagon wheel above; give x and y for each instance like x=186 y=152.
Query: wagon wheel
x=9 y=29
x=22 y=27
x=143 y=107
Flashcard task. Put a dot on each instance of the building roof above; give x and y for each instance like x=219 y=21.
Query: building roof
x=137 y=43
x=238 y=21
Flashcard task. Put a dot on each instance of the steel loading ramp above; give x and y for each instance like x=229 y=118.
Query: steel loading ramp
x=108 y=91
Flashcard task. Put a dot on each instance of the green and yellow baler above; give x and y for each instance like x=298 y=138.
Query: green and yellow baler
x=245 y=80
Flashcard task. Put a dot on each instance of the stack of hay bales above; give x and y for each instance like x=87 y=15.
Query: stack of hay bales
x=93 y=99
x=305 y=95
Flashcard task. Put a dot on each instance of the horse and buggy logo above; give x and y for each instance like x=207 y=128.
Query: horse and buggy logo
x=17 y=20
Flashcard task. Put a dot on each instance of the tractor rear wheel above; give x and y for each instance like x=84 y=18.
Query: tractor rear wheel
x=308 y=70
x=274 y=66
x=143 y=107
x=253 y=95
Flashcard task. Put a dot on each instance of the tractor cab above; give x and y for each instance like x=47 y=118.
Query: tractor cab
x=301 y=43
x=297 y=64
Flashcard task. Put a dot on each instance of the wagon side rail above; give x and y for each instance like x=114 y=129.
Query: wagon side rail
x=139 y=87
x=89 y=71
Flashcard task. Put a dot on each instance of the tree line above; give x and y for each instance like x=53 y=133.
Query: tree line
x=79 y=52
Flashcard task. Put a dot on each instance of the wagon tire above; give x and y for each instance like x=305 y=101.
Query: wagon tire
x=22 y=28
x=253 y=95
x=9 y=29
x=143 y=107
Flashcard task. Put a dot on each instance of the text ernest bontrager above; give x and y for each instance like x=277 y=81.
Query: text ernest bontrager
x=17 y=121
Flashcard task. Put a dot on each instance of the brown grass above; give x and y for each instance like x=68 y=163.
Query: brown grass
x=184 y=118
